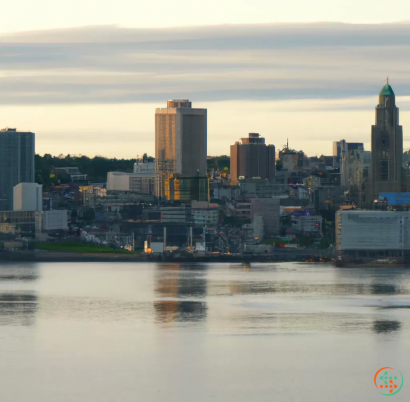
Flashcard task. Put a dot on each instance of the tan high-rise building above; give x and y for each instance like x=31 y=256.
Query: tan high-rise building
x=180 y=142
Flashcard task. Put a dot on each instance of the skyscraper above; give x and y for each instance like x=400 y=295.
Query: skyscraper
x=180 y=142
x=387 y=145
x=347 y=155
x=252 y=158
x=16 y=163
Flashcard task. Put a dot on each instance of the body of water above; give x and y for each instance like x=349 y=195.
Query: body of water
x=124 y=332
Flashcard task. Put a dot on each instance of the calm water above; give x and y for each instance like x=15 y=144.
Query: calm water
x=184 y=333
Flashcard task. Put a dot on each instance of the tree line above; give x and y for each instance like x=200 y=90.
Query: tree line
x=96 y=168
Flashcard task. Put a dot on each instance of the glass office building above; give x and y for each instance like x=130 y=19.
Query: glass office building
x=187 y=188
x=16 y=163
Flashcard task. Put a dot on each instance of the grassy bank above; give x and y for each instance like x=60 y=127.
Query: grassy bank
x=79 y=247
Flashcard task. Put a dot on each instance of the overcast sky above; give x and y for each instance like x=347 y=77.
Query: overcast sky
x=93 y=89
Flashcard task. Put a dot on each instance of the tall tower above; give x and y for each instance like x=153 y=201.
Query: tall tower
x=180 y=142
x=16 y=163
x=387 y=145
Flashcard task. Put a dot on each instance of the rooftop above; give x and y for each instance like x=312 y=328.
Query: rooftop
x=11 y=130
x=387 y=90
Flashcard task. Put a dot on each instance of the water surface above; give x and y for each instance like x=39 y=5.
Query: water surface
x=108 y=332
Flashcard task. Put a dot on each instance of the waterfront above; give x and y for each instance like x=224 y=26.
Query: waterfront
x=107 y=332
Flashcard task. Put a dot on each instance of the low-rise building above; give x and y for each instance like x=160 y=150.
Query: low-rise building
x=130 y=182
x=260 y=188
x=205 y=216
x=307 y=224
x=240 y=208
x=71 y=170
x=75 y=175
x=55 y=219
x=21 y=223
x=176 y=214
x=146 y=166
x=226 y=192
x=373 y=233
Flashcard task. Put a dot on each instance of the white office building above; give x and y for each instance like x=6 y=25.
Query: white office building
x=373 y=233
x=28 y=197
x=144 y=167
x=135 y=182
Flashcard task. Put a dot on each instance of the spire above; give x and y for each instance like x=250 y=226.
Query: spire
x=387 y=90
x=387 y=97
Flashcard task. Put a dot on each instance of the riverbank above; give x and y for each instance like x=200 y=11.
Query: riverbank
x=53 y=256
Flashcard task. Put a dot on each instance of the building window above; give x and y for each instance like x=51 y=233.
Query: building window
x=384 y=170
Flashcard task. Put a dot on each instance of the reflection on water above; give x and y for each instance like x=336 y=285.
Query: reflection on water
x=386 y=326
x=222 y=332
x=175 y=285
x=179 y=311
x=299 y=287
x=384 y=289
x=20 y=278
x=17 y=308
x=274 y=298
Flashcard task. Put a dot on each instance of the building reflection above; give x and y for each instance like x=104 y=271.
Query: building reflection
x=18 y=273
x=386 y=326
x=176 y=287
x=18 y=309
x=384 y=289
x=18 y=278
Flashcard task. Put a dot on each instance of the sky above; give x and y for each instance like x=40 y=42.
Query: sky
x=86 y=76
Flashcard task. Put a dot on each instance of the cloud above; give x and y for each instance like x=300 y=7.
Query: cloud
x=108 y=64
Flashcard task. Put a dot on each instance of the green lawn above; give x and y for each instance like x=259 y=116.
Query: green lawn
x=79 y=248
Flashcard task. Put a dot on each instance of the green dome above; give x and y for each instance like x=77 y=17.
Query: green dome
x=386 y=90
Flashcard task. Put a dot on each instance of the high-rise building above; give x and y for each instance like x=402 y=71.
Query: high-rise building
x=341 y=150
x=252 y=159
x=16 y=163
x=387 y=145
x=351 y=156
x=180 y=142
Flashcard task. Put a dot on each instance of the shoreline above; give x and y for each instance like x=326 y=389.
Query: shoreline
x=57 y=257
x=50 y=256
